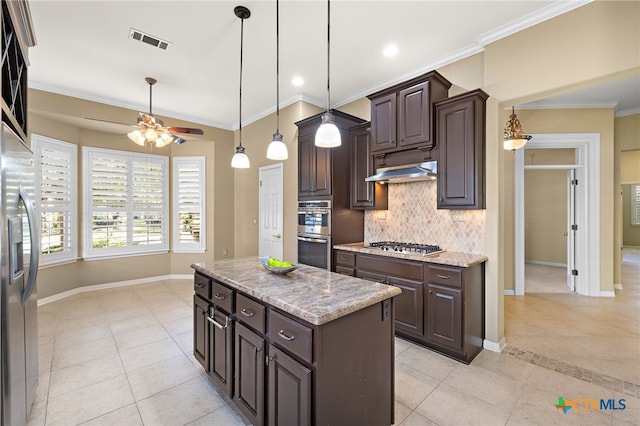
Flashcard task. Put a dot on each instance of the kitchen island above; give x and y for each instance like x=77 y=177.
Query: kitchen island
x=307 y=347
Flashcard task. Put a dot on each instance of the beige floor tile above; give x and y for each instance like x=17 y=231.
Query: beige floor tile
x=185 y=341
x=401 y=412
x=631 y=413
x=181 y=404
x=177 y=313
x=224 y=415
x=76 y=376
x=161 y=376
x=428 y=362
x=131 y=324
x=125 y=416
x=416 y=419
x=78 y=334
x=448 y=406
x=64 y=356
x=42 y=391
x=142 y=336
x=145 y=355
x=89 y=402
x=131 y=312
x=412 y=386
x=179 y=326
x=566 y=386
x=38 y=413
x=401 y=345
x=504 y=365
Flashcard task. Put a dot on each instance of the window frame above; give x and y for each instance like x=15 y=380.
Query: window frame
x=70 y=232
x=129 y=249
x=201 y=245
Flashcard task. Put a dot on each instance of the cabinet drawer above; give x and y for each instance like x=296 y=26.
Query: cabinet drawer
x=345 y=259
x=345 y=271
x=445 y=276
x=410 y=270
x=291 y=335
x=222 y=296
x=202 y=286
x=251 y=313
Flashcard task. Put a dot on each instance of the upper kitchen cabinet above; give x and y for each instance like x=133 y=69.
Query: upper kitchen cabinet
x=402 y=115
x=460 y=136
x=364 y=195
x=324 y=172
x=17 y=37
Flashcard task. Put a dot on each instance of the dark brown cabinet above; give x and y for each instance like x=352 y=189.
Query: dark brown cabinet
x=289 y=390
x=460 y=138
x=200 y=330
x=249 y=373
x=444 y=325
x=324 y=172
x=364 y=195
x=402 y=115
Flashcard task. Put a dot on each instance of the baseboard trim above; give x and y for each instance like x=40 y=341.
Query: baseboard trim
x=494 y=346
x=509 y=293
x=607 y=293
x=105 y=286
x=544 y=263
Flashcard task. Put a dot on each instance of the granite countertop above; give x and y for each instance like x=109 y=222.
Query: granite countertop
x=312 y=294
x=445 y=258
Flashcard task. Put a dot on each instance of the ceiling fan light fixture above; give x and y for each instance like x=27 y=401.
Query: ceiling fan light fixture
x=513 y=136
x=328 y=134
x=240 y=160
x=277 y=150
x=137 y=137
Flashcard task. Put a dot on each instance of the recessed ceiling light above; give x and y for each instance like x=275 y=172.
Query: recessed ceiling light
x=390 y=51
x=297 y=81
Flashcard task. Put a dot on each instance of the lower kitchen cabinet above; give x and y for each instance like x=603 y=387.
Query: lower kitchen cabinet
x=444 y=325
x=289 y=390
x=200 y=330
x=249 y=373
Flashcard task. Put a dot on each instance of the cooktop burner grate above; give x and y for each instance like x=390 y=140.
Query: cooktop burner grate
x=400 y=247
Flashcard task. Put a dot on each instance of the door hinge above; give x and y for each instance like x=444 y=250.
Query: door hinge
x=261 y=184
x=574 y=181
x=574 y=227
x=574 y=272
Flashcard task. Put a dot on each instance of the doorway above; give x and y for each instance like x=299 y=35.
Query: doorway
x=586 y=165
x=271 y=211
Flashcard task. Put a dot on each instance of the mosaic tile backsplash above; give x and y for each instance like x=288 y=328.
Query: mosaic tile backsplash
x=413 y=217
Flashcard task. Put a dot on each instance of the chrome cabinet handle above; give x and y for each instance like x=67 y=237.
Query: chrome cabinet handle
x=199 y=285
x=444 y=277
x=283 y=335
x=246 y=313
x=217 y=324
x=219 y=296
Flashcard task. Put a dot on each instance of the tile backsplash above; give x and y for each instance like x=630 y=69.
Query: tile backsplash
x=413 y=217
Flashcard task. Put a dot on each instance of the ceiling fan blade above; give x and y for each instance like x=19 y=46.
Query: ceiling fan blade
x=185 y=130
x=111 y=122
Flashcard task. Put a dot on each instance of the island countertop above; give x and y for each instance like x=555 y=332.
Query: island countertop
x=312 y=294
x=453 y=258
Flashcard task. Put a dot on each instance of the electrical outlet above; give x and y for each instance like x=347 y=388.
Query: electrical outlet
x=457 y=216
x=225 y=252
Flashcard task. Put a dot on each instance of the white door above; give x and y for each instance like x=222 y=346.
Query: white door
x=572 y=229
x=271 y=211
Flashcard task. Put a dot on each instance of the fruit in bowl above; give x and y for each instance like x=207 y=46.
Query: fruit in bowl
x=278 y=266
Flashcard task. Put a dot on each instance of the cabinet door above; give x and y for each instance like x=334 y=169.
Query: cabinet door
x=383 y=122
x=371 y=276
x=220 y=349
x=444 y=322
x=200 y=330
x=409 y=305
x=322 y=177
x=362 y=195
x=289 y=390
x=414 y=116
x=306 y=165
x=249 y=373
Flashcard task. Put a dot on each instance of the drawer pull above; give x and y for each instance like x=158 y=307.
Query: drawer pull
x=443 y=277
x=219 y=296
x=246 y=313
x=199 y=285
x=283 y=335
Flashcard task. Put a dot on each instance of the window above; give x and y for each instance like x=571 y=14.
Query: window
x=56 y=186
x=635 y=204
x=126 y=203
x=189 y=218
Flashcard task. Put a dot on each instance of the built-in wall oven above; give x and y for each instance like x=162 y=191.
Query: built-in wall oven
x=314 y=233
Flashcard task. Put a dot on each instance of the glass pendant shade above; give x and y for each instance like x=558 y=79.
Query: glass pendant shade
x=240 y=160
x=328 y=134
x=137 y=137
x=513 y=136
x=277 y=150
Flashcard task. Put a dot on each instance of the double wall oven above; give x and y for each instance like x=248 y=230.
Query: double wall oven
x=314 y=233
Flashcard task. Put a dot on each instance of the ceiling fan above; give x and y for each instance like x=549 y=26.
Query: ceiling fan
x=153 y=131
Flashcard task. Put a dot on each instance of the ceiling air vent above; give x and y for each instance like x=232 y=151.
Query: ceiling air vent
x=149 y=39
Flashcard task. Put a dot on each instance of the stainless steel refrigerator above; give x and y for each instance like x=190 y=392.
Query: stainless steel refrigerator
x=20 y=248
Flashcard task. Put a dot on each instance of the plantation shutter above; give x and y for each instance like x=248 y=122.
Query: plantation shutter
x=189 y=204
x=635 y=204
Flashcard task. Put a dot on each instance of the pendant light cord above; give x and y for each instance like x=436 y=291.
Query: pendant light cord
x=328 y=52
x=240 y=108
x=277 y=66
x=150 y=98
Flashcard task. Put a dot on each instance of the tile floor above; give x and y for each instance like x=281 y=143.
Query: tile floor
x=123 y=357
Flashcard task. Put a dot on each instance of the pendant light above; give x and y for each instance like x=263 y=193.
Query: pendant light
x=277 y=150
x=240 y=159
x=328 y=134
x=513 y=136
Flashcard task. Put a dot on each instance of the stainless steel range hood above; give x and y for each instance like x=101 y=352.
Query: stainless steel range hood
x=407 y=173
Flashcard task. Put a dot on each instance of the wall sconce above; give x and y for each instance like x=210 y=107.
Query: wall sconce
x=513 y=136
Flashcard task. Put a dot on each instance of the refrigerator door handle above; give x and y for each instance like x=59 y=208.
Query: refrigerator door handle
x=34 y=260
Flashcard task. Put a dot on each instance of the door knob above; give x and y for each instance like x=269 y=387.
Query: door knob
x=277 y=235
x=566 y=234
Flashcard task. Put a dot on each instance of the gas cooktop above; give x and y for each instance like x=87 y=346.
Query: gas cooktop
x=406 y=248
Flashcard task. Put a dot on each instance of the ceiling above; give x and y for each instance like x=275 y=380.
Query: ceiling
x=84 y=50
